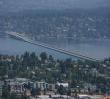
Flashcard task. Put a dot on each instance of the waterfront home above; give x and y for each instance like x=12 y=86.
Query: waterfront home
x=17 y=85
x=42 y=85
x=66 y=85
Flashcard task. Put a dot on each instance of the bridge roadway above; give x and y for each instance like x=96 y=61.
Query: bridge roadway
x=16 y=35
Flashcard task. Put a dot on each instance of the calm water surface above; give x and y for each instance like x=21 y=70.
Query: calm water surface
x=99 y=49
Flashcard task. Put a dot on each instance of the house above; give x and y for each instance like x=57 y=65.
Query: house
x=17 y=85
x=22 y=80
x=66 y=85
x=42 y=85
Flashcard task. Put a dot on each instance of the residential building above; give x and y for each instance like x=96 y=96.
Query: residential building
x=42 y=85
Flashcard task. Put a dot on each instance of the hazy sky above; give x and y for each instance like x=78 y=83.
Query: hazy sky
x=10 y=5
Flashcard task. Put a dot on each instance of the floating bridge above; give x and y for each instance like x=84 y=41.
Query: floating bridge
x=61 y=50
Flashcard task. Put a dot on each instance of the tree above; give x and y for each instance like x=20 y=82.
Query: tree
x=69 y=92
x=68 y=62
x=61 y=90
x=26 y=59
x=33 y=60
x=6 y=90
x=43 y=56
x=51 y=58
x=3 y=70
x=35 y=91
x=15 y=96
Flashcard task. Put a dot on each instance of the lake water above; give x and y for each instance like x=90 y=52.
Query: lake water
x=98 y=49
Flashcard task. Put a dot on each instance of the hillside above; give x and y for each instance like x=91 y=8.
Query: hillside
x=77 y=23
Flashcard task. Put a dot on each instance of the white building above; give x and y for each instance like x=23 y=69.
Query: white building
x=66 y=85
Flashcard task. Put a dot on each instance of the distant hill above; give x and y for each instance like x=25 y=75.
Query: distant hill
x=19 y=5
x=30 y=12
x=71 y=23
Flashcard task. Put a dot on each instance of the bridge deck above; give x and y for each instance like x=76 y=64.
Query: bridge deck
x=53 y=48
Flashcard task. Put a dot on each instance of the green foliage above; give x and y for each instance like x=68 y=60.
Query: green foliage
x=6 y=90
x=43 y=56
x=50 y=70
x=61 y=90
x=14 y=96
